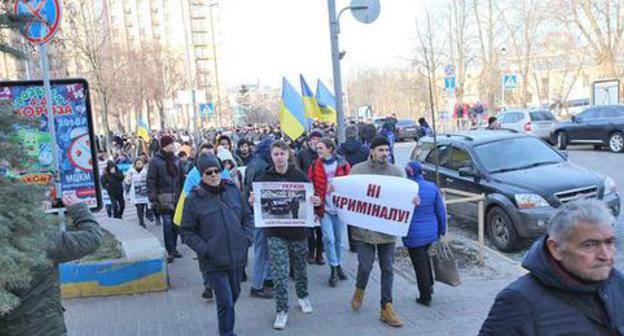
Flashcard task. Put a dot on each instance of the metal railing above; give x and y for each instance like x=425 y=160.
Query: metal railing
x=463 y=197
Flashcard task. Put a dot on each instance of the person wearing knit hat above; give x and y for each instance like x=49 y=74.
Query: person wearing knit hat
x=379 y=141
x=165 y=177
x=371 y=243
x=218 y=226
x=166 y=140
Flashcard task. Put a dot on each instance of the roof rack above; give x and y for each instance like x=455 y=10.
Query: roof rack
x=459 y=136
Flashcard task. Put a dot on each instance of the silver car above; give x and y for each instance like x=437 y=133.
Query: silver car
x=535 y=122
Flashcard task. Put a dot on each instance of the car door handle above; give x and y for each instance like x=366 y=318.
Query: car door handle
x=450 y=180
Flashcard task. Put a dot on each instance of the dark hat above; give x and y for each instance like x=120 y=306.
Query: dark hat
x=206 y=161
x=166 y=140
x=379 y=141
x=315 y=133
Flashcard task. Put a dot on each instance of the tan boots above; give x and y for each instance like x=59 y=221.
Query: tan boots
x=389 y=316
x=358 y=296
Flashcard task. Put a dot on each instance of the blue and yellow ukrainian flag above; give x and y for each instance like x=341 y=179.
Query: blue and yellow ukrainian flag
x=311 y=107
x=192 y=180
x=326 y=102
x=292 y=112
x=142 y=130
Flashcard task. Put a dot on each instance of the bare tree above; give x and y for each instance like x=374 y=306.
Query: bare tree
x=600 y=23
x=428 y=56
x=523 y=20
x=89 y=39
x=488 y=24
x=459 y=33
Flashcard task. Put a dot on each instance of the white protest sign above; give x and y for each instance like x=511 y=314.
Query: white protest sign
x=283 y=204
x=377 y=203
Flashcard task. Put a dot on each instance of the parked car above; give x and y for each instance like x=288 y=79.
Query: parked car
x=523 y=178
x=536 y=122
x=407 y=128
x=598 y=126
x=278 y=205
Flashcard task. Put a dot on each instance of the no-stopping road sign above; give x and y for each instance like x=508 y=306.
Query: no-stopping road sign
x=44 y=18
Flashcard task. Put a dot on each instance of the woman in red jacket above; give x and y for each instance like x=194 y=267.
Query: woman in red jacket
x=322 y=171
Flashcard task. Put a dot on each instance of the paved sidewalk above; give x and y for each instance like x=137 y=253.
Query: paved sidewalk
x=181 y=311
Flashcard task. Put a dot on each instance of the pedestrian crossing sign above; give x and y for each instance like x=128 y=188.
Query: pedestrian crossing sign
x=510 y=81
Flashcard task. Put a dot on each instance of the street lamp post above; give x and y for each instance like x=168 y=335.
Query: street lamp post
x=216 y=66
x=188 y=67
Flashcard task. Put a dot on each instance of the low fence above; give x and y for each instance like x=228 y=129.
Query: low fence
x=458 y=196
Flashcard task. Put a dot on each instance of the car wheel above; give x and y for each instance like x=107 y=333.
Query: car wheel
x=562 y=140
x=616 y=142
x=501 y=230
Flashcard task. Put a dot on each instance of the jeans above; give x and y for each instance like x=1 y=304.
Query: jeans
x=333 y=230
x=366 y=258
x=118 y=204
x=141 y=213
x=261 y=267
x=170 y=232
x=279 y=255
x=204 y=273
x=422 y=267
x=315 y=242
x=227 y=287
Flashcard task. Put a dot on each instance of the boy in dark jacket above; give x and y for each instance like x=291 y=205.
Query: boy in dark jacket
x=281 y=240
x=217 y=225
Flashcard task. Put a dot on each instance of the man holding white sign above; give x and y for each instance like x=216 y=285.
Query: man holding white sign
x=378 y=217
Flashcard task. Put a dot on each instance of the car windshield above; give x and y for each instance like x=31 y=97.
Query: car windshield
x=516 y=154
x=406 y=122
x=542 y=116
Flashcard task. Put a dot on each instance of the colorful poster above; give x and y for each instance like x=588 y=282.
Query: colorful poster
x=74 y=137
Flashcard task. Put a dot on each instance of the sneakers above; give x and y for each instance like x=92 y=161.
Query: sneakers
x=358 y=296
x=177 y=254
x=263 y=293
x=389 y=317
x=305 y=305
x=280 y=320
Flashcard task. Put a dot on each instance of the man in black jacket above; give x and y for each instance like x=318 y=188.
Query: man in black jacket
x=165 y=178
x=217 y=224
x=305 y=157
x=354 y=152
x=572 y=287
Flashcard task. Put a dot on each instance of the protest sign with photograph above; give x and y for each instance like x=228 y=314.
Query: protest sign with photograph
x=283 y=204
x=377 y=203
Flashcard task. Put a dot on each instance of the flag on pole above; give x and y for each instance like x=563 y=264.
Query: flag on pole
x=292 y=111
x=311 y=107
x=326 y=102
x=142 y=130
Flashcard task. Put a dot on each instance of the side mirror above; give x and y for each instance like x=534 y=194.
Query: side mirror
x=467 y=172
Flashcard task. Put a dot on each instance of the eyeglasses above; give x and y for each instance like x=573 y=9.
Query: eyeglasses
x=211 y=172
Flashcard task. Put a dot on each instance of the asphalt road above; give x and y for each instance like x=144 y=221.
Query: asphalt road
x=602 y=161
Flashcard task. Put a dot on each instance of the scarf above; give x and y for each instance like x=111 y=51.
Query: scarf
x=329 y=161
x=215 y=190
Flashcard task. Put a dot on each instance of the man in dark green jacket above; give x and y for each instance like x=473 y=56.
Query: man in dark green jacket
x=40 y=311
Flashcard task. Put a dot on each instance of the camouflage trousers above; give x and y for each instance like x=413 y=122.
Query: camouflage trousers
x=279 y=257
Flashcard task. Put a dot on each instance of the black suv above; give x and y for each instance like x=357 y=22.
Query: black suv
x=524 y=180
x=598 y=126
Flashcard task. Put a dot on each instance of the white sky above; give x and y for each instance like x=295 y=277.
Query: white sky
x=268 y=39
